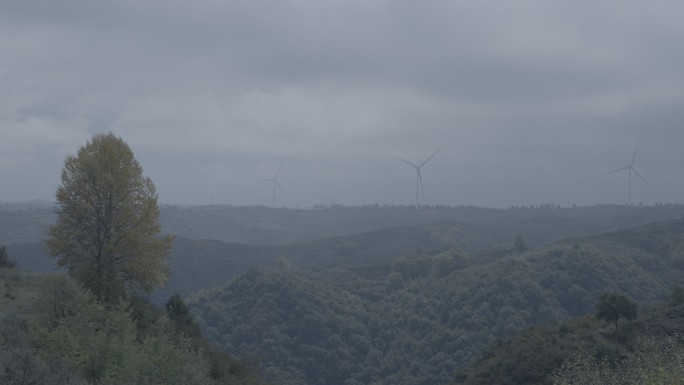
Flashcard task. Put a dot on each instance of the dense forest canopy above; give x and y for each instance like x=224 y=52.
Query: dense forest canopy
x=427 y=315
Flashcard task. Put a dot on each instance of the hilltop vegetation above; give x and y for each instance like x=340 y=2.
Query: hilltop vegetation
x=93 y=326
x=586 y=350
x=418 y=319
x=53 y=332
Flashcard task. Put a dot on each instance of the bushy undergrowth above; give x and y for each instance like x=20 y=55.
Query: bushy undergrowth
x=57 y=333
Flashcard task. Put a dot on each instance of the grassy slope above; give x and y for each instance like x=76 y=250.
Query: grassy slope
x=19 y=292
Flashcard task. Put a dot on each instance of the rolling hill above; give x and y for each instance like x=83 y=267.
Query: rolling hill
x=202 y=264
x=355 y=235
x=430 y=314
x=28 y=222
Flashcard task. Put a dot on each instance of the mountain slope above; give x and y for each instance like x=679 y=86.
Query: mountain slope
x=531 y=356
x=432 y=313
x=203 y=264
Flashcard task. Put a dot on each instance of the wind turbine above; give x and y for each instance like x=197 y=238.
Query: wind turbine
x=419 y=179
x=630 y=169
x=275 y=183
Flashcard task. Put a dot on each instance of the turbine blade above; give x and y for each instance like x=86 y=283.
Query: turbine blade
x=642 y=179
x=634 y=156
x=278 y=173
x=405 y=161
x=428 y=159
x=280 y=187
x=618 y=170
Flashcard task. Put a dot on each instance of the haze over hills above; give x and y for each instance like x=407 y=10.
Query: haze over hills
x=263 y=225
x=205 y=263
x=199 y=262
x=24 y=222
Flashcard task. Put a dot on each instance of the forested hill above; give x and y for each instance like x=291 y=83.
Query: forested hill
x=533 y=356
x=202 y=263
x=431 y=313
x=27 y=222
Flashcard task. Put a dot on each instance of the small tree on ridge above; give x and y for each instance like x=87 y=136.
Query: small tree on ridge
x=5 y=262
x=612 y=306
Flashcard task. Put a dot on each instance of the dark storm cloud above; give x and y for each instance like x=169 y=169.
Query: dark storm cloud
x=532 y=101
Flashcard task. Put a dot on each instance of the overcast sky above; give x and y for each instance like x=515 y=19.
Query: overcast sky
x=530 y=101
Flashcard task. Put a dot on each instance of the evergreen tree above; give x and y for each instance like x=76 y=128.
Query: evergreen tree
x=519 y=244
x=5 y=262
x=178 y=312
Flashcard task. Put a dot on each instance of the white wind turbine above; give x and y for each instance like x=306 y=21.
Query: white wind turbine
x=275 y=183
x=419 y=178
x=630 y=169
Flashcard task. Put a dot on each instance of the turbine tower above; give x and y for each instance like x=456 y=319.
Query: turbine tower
x=275 y=183
x=419 y=178
x=630 y=169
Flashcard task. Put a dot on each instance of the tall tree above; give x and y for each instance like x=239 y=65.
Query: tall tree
x=107 y=231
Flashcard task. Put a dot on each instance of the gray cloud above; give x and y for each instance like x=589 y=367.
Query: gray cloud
x=532 y=101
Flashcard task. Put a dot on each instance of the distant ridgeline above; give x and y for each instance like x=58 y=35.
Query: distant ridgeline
x=420 y=318
x=363 y=233
x=27 y=222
